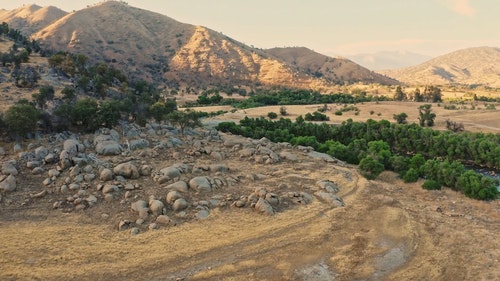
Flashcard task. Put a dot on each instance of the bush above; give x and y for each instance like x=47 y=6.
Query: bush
x=370 y=168
x=411 y=175
x=272 y=115
x=338 y=112
x=477 y=186
x=431 y=185
x=21 y=119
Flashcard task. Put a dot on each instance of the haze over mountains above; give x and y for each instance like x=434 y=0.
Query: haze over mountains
x=389 y=59
x=152 y=46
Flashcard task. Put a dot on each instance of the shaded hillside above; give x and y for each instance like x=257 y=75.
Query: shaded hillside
x=337 y=70
x=31 y=18
x=389 y=60
x=472 y=66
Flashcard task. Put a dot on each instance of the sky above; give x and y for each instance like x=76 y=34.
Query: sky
x=332 y=27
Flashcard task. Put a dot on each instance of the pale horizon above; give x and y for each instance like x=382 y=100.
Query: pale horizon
x=334 y=28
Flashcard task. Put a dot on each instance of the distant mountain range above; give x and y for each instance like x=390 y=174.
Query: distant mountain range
x=389 y=60
x=152 y=46
x=472 y=66
x=155 y=47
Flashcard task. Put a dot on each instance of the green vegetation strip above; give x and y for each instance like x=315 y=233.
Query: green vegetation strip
x=410 y=150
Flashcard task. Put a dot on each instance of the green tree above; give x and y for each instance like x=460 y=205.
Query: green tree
x=68 y=94
x=21 y=119
x=477 y=186
x=399 y=95
x=85 y=114
x=184 y=119
x=272 y=115
x=426 y=116
x=370 y=168
x=159 y=110
x=109 y=113
x=417 y=96
x=45 y=93
x=401 y=118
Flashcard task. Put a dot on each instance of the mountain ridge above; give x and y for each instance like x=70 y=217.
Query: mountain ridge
x=153 y=46
x=471 y=66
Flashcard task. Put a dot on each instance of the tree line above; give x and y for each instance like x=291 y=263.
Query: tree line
x=409 y=149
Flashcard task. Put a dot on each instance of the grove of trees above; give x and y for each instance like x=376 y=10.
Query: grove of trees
x=409 y=149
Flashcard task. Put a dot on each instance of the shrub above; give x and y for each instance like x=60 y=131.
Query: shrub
x=477 y=186
x=21 y=119
x=370 y=168
x=272 y=115
x=283 y=111
x=411 y=175
x=431 y=185
x=338 y=112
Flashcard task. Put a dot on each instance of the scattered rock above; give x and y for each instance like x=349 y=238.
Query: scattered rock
x=127 y=170
x=179 y=205
x=330 y=198
x=9 y=183
x=200 y=184
x=180 y=186
x=163 y=220
x=138 y=144
x=9 y=168
x=106 y=175
x=108 y=147
x=263 y=207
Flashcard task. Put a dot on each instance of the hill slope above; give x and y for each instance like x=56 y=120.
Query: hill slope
x=31 y=18
x=152 y=46
x=333 y=69
x=480 y=65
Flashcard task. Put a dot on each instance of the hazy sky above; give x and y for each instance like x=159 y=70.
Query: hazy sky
x=332 y=27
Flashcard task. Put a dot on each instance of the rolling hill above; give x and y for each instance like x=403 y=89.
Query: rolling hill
x=472 y=66
x=152 y=46
x=31 y=18
x=333 y=69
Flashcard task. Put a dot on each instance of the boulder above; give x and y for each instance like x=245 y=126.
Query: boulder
x=109 y=147
x=263 y=207
x=41 y=152
x=145 y=170
x=2 y=151
x=170 y=173
x=180 y=204
x=106 y=175
x=54 y=173
x=156 y=206
x=9 y=168
x=330 y=198
x=180 y=186
x=172 y=196
x=50 y=158
x=163 y=220
x=33 y=164
x=65 y=160
x=126 y=170
x=73 y=147
x=214 y=168
x=288 y=156
x=200 y=184
x=110 y=188
x=9 y=183
x=328 y=186
x=138 y=205
x=138 y=144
